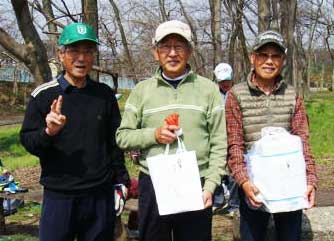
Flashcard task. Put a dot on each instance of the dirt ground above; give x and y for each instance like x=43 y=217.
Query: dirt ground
x=222 y=225
x=29 y=177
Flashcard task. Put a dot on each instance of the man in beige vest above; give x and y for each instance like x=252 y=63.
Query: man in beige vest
x=264 y=100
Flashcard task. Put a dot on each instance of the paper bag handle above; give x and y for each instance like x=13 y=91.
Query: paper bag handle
x=180 y=146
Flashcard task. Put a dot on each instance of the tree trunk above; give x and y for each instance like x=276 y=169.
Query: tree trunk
x=47 y=8
x=322 y=79
x=164 y=15
x=300 y=59
x=33 y=52
x=275 y=15
x=15 y=87
x=237 y=53
x=215 y=9
x=288 y=21
x=309 y=48
x=90 y=16
x=264 y=15
x=124 y=40
x=245 y=67
x=308 y=76
x=197 y=55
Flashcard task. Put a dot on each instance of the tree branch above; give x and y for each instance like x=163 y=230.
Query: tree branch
x=13 y=47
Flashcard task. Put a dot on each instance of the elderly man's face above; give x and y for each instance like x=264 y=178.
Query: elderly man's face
x=225 y=85
x=173 y=53
x=268 y=61
x=78 y=59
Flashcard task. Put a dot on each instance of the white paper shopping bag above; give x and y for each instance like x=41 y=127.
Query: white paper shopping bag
x=176 y=181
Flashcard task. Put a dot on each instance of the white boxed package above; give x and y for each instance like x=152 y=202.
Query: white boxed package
x=276 y=166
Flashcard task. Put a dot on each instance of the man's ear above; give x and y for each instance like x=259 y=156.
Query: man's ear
x=252 y=58
x=191 y=49
x=155 y=53
x=284 y=59
x=60 y=54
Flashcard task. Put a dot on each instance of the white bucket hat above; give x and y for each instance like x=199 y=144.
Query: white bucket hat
x=223 y=72
x=172 y=27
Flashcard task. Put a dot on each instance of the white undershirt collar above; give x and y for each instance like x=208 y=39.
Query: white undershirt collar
x=175 y=79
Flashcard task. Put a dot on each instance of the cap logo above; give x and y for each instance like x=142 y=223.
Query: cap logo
x=81 y=29
x=225 y=69
x=270 y=36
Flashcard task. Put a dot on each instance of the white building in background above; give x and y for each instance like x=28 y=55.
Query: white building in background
x=123 y=82
x=7 y=73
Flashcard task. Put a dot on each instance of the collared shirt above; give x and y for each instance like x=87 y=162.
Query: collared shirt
x=224 y=96
x=175 y=82
x=235 y=139
x=66 y=86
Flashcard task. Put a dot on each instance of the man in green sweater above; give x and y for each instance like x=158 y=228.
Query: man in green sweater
x=175 y=88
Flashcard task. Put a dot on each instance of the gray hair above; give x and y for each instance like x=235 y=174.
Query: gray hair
x=61 y=48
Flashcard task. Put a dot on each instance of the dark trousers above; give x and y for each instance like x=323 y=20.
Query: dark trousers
x=254 y=224
x=188 y=226
x=86 y=218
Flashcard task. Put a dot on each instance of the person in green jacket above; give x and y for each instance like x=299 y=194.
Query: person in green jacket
x=175 y=88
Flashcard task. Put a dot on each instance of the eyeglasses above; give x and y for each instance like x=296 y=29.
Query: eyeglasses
x=263 y=57
x=180 y=48
x=75 y=52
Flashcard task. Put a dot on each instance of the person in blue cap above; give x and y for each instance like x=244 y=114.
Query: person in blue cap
x=70 y=124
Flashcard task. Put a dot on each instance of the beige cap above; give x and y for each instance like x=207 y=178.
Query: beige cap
x=172 y=27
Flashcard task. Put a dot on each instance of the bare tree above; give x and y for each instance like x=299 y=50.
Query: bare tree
x=313 y=25
x=124 y=39
x=90 y=16
x=33 y=52
x=238 y=53
x=52 y=27
x=164 y=15
x=215 y=9
x=264 y=16
x=198 y=56
x=126 y=32
x=288 y=10
x=331 y=54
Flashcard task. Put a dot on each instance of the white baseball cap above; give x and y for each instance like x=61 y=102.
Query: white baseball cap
x=223 y=72
x=172 y=27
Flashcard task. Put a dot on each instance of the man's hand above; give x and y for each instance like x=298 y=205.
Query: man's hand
x=55 y=121
x=165 y=134
x=207 y=199
x=250 y=191
x=310 y=194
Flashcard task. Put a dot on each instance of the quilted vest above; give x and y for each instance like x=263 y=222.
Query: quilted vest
x=259 y=110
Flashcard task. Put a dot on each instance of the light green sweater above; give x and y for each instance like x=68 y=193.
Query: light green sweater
x=202 y=117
